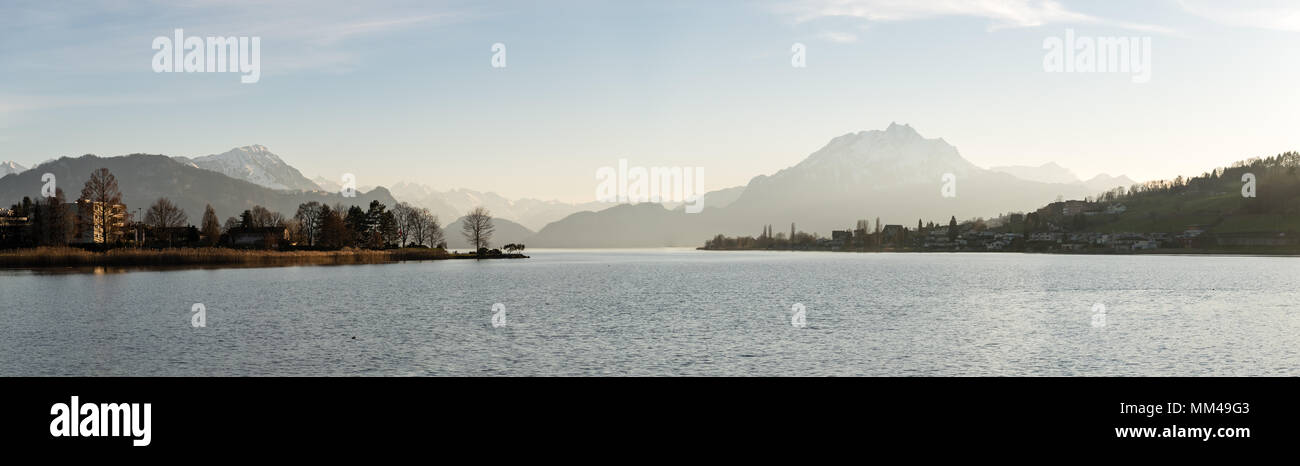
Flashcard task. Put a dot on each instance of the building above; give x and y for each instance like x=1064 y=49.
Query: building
x=90 y=222
x=266 y=237
x=14 y=230
x=893 y=234
x=1255 y=239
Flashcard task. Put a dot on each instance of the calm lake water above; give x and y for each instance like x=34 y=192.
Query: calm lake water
x=669 y=312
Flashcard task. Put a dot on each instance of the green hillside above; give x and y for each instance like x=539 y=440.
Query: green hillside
x=1213 y=200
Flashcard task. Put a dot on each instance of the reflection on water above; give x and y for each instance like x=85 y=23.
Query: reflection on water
x=667 y=312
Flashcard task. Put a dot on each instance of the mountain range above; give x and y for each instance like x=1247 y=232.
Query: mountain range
x=530 y=213
x=894 y=174
x=143 y=178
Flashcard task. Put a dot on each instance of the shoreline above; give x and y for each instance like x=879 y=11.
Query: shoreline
x=73 y=259
x=1147 y=252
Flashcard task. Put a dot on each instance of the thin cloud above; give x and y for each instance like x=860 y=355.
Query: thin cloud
x=1262 y=14
x=307 y=34
x=838 y=37
x=1002 y=13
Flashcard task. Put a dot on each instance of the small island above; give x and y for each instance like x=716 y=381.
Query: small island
x=98 y=230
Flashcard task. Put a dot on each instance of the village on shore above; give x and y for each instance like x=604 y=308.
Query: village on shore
x=1013 y=233
x=1246 y=208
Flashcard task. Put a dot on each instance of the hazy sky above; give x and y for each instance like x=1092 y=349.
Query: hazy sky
x=406 y=90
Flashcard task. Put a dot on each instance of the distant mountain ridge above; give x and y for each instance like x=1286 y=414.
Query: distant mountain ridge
x=1049 y=172
x=143 y=178
x=454 y=203
x=1052 y=173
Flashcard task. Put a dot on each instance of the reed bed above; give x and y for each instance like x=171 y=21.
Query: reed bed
x=73 y=257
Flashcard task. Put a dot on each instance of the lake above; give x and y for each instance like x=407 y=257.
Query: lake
x=669 y=312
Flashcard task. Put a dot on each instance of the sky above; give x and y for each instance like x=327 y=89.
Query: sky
x=407 y=91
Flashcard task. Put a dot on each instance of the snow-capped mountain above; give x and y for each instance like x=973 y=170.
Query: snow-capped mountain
x=256 y=165
x=10 y=168
x=895 y=156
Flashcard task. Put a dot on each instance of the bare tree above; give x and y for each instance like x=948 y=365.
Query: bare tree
x=163 y=215
x=102 y=194
x=231 y=224
x=211 y=226
x=421 y=226
x=309 y=217
x=478 y=228
x=432 y=229
x=406 y=217
x=261 y=217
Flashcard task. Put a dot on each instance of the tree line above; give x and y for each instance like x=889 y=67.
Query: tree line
x=315 y=225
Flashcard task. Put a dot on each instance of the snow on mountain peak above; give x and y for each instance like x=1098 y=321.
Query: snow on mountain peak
x=11 y=168
x=897 y=154
x=255 y=164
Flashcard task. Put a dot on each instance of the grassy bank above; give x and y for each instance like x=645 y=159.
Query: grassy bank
x=181 y=257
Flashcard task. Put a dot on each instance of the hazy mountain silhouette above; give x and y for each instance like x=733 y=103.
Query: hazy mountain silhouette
x=894 y=174
x=454 y=203
x=1049 y=172
x=1053 y=173
x=1104 y=182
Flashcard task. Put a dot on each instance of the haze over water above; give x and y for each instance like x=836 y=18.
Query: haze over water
x=669 y=312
